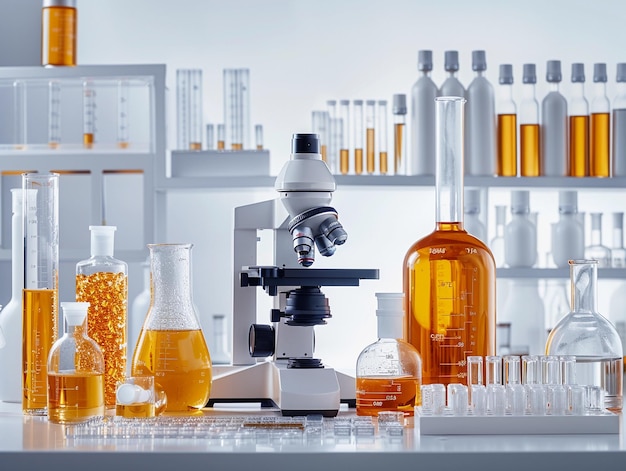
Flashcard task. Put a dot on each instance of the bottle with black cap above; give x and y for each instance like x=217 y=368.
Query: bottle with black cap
x=507 y=124
x=578 y=124
x=618 y=154
x=423 y=96
x=554 y=125
x=480 y=128
x=529 y=124
x=599 y=159
x=451 y=85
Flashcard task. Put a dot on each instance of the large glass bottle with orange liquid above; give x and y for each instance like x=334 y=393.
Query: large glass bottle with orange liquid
x=171 y=345
x=449 y=275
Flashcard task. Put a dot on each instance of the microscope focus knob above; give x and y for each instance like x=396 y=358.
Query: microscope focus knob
x=261 y=340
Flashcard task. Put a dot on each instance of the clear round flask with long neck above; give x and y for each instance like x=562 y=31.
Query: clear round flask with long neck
x=589 y=336
x=449 y=275
x=171 y=345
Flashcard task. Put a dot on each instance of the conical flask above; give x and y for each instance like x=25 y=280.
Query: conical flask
x=449 y=275
x=171 y=345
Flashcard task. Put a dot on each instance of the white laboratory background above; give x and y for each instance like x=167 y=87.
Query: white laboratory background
x=302 y=53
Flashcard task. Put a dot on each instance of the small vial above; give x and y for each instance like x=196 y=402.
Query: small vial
x=89 y=114
x=478 y=399
x=530 y=369
x=370 y=131
x=221 y=137
x=399 y=133
x=258 y=136
x=210 y=136
x=428 y=400
x=507 y=125
x=556 y=400
x=58 y=33
x=550 y=369
x=122 y=114
x=578 y=124
x=333 y=145
x=439 y=398
x=599 y=158
x=515 y=399
x=512 y=369
x=474 y=373
x=358 y=137
x=54 y=114
x=344 y=146
x=618 y=253
x=383 y=160
x=537 y=400
x=457 y=398
x=576 y=399
x=529 y=125
x=568 y=369
x=496 y=399
x=493 y=369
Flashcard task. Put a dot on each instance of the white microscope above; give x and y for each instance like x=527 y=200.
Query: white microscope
x=293 y=380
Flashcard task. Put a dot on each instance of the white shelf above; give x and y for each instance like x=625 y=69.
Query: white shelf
x=546 y=273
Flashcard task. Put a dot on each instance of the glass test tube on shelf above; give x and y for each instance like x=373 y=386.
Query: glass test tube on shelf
x=399 y=134
x=599 y=154
x=89 y=114
x=237 y=108
x=19 y=113
x=333 y=145
x=54 y=114
x=370 y=131
x=123 y=137
x=210 y=136
x=344 y=146
x=383 y=159
x=258 y=136
x=320 y=127
x=578 y=124
x=358 y=136
x=221 y=137
x=529 y=124
x=189 y=109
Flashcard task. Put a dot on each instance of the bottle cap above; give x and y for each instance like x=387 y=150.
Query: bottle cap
x=382 y=102
x=425 y=60
x=357 y=102
x=618 y=220
x=59 y=3
x=599 y=72
x=331 y=102
x=399 y=103
x=506 y=74
x=578 y=72
x=596 y=221
x=471 y=201
x=530 y=74
x=390 y=314
x=102 y=240
x=621 y=72
x=305 y=144
x=344 y=102
x=451 y=61
x=370 y=102
x=568 y=201
x=479 y=60
x=553 y=71
x=520 y=201
x=74 y=313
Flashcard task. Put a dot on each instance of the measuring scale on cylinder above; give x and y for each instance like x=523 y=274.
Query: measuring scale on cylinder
x=449 y=275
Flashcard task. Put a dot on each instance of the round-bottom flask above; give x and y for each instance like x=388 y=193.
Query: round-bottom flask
x=171 y=345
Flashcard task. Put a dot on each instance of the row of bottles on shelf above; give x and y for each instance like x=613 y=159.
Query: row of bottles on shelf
x=515 y=242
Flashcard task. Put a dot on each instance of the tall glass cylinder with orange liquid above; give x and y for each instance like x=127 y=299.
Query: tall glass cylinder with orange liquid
x=599 y=154
x=171 y=345
x=529 y=125
x=578 y=125
x=449 y=275
x=507 y=125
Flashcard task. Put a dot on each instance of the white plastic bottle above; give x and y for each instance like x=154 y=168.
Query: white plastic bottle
x=618 y=154
x=423 y=94
x=452 y=85
x=471 y=220
x=524 y=310
x=520 y=234
x=480 y=128
x=568 y=234
x=554 y=126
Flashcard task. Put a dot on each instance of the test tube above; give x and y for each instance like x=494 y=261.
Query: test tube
x=221 y=137
x=344 y=147
x=457 y=398
x=576 y=399
x=550 y=369
x=258 y=136
x=358 y=137
x=19 y=112
x=515 y=399
x=568 y=369
x=496 y=399
x=320 y=127
x=210 y=136
x=370 y=132
x=123 y=89
x=399 y=133
x=195 y=109
x=512 y=369
x=54 y=114
x=382 y=138
x=478 y=399
x=530 y=369
x=89 y=114
x=40 y=296
x=333 y=145
x=493 y=369
x=237 y=108
x=182 y=109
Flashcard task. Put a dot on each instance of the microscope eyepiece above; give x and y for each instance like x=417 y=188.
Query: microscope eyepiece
x=305 y=144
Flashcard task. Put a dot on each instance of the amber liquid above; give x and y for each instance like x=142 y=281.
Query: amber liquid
x=123 y=145
x=58 y=36
x=221 y=145
x=324 y=152
x=88 y=140
x=384 y=165
x=599 y=156
x=259 y=147
x=449 y=286
x=370 y=150
x=529 y=150
x=344 y=161
x=106 y=294
x=398 y=129
x=578 y=146
x=39 y=322
x=75 y=398
x=507 y=145
x=135 y=411
x=236 y=146
x=376 y=394
x=180 y=362
x=358 y=161
x=195 y=146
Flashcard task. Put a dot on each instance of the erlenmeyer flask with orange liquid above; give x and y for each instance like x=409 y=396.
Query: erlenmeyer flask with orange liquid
x=449 y=275
x=171 y=345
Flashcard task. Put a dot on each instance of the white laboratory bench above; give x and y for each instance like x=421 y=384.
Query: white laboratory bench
x=34 y=443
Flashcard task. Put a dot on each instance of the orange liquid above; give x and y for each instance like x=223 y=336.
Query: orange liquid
x=384 y=165
x=529 y=150
x=599 y=156
x=75 y=398
x=180 y=362
x=135 y=411
x=123 y=145
x=88 y=140
x=449 y=286
x=39 y=333
x=58 y=36
x=344 y=161
x=195 y=146
x=358 y=161
x=398 y=146
x=324 y=152
x=376 y=394
x=578 y=146
x=236 y=146
x=507 y=145
x=221 y=145
x=370 y=148
x=259 y=147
